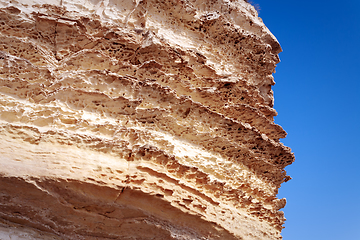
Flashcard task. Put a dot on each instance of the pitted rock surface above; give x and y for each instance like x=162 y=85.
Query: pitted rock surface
x=144 y=119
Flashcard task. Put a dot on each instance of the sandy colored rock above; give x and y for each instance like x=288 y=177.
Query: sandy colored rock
x=146 y=119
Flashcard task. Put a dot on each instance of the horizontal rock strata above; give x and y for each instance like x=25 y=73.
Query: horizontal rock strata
x=144 y=119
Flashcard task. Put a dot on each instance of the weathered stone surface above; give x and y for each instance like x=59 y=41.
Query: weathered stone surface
x=147 y=119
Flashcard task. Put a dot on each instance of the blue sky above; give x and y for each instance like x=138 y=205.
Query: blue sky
x=317 y=96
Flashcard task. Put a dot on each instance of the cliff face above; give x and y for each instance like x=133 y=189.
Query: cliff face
x=147 y=119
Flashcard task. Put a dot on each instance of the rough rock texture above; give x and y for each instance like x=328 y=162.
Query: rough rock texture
x=144 y=119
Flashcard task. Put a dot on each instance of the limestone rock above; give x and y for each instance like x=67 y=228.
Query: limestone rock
x=144 y=119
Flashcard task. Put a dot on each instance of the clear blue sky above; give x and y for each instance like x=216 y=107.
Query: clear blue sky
x=317 y=96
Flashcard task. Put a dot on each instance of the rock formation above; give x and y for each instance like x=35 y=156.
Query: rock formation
x=138 y=119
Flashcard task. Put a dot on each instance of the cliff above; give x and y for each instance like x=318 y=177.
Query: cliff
x=144 y=119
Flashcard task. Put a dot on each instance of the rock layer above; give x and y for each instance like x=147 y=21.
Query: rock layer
x=146 y=119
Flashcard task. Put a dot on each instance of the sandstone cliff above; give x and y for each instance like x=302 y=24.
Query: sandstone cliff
x=144 y=119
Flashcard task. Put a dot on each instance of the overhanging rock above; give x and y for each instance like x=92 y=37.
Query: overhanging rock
x=150 y=119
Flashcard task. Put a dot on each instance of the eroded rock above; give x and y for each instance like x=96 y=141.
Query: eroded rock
x=144 y=119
